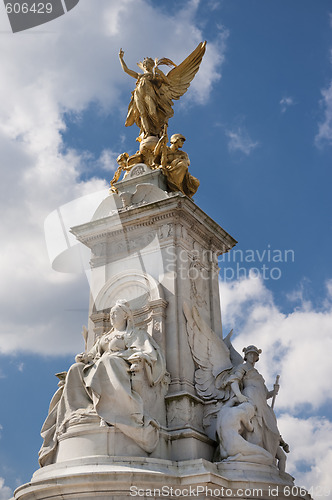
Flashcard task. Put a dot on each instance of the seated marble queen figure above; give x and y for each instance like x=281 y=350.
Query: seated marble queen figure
x=98 y=386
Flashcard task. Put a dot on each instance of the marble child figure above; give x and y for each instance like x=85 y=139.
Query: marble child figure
x=98 y=386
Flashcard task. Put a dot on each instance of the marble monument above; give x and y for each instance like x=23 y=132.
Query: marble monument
x=158 y=404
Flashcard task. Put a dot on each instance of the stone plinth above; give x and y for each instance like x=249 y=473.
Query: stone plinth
x=130 y=477
x=157 y=250
x=157 y=253
x=145 y=175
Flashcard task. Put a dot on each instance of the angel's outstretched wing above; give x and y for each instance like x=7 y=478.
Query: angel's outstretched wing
x=236 y=357
x=179 y=78
x=210 y=353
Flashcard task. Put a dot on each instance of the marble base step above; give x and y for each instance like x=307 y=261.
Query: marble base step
x=143 y=477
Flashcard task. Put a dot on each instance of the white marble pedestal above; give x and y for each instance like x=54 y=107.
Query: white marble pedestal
x=156 y=250
x=118 y=478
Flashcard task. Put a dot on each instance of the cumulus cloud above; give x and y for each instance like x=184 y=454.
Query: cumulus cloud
x=5 y=492
x=180 y=36
x=107 y=160
x=300 y=339
x=214 y=5
x=48 y=75
x=329 y=288
x=310 y=459
x=239 y=140
x=297 y=346
x=324 y=135
x=285 y=103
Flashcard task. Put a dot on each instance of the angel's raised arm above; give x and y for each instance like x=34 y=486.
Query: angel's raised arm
x=125 y=68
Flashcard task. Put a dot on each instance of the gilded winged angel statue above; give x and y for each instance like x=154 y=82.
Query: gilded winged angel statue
x=152 y=100
x=246 y=425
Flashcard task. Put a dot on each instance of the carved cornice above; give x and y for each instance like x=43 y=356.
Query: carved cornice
x=177 y=209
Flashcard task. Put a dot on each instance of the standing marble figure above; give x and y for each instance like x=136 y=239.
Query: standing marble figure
x=246 y=425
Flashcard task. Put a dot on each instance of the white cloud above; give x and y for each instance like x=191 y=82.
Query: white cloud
x=310 y=459
x=324 y=135
x=329 y=288
x=285 y=103
x=107 y=160
x=20 y=367
x=214 y=4
x=46 y=73
x=298 y=295
x=209 y=69
x=296 y=345
x=180 y=35
x=239 y=140
x=5 y=492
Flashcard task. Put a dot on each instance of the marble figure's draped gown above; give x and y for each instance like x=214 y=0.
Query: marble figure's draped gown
x=265 y=433
x=102 y=388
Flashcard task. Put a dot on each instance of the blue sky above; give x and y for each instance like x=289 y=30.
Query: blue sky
x=258 y=123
